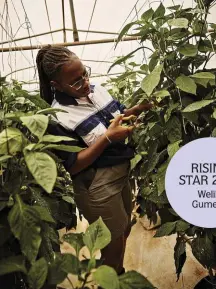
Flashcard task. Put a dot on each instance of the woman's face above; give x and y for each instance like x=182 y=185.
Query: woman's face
x=70 y=79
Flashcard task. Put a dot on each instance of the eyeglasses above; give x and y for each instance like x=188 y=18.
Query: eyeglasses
x=79 y=84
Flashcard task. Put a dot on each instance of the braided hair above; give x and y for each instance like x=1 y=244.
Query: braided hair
x=50 y=60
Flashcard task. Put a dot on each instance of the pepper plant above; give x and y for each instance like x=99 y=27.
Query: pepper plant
x=180 y=83
x=36 y=196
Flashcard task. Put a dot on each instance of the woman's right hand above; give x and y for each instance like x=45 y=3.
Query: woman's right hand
x=116 y=132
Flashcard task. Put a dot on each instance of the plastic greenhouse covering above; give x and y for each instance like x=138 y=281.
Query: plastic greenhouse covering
x=95 y=20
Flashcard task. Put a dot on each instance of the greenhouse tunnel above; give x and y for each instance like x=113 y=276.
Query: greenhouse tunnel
x=158 y=55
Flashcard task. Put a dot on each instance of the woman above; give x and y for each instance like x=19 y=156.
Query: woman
x=100 y=172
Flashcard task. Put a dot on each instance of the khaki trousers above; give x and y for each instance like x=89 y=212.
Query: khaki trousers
x=105 y=193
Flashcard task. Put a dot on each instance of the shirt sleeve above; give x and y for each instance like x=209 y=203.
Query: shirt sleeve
x=121 y=106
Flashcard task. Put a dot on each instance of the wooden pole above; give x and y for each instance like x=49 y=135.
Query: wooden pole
x=63 y=18
x=59 y=30
x=75 y=32
x=30 y=36
x=96 y=31
x=78 y=43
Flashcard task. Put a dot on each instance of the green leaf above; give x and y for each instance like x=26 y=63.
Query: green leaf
x=144 y=31
x=186 y=84
x=70 y=264
x=124 y=58
x=161 y=179
x=68 y=199
x=199 y=27
x=66 y=148
x=204 y=75
x=37 y=274
x=161 y=93
x=134 y=280
x=178 y=35
x=203 y=78
x=153 y=158
x=178 y=22
x=12 y=264
x=182 y=226
x=51 y=110
x=75 y=240
x=203 y=250
x=205 y=46
x=152 y=163
x=37 y=124
x=166 y=229
x=150 y=82
x=144 y=67
x=135 y=161
x=23 y=220
x=158 y=199
x=49 y=237
x=56 y=273
x=171 y=55
x=4 y=158
x=61 y=266
x=33 y=147
x=147 y=15
x=175 y=7
x=10 y=139
x=122 y=84
x=106 y=277
x=189 y=50
x=179 y=255
x=134 y=64
x=174 y=129
x=160 y=11
x=43 y=169
x=124 y=31
x=198 y=105
x=202 y=81
x=37 y=100
x=191 y=116
x=17 y=114
x=44 y=214
x=97 y=236
x=55 y=138
x=2 y=80
x=173 y=148
x=154 y=61
x=212 y=82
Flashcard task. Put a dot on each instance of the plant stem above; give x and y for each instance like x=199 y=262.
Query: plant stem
x=187 y=240
x=72 y=286
x=207 y=60
x=85 y=280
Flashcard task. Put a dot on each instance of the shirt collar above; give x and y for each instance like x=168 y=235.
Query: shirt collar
x=66 y=99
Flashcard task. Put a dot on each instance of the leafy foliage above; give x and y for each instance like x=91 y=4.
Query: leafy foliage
x=96 y=237
x=36 y=199
x=33 y=186
x=176 y=79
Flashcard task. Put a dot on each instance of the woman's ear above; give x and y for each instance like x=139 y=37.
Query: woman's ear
x=56 y=85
